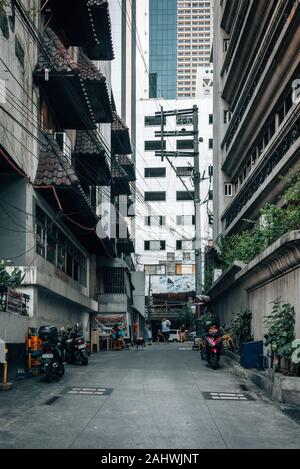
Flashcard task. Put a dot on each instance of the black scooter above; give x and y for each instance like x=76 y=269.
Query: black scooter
x=74 y=346
x=51 y=360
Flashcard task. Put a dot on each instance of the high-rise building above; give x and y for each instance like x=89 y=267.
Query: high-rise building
x=194 y=39
x=180 y=38
x=163 y=43
x=256 y=143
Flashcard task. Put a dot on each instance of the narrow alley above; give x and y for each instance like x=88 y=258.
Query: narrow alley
x=150 y=398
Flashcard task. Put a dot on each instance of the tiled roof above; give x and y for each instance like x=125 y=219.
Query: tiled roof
x=124 y=160
x=87 y=143
x=118 y=124
x=54 y=168
x=96 y=3
x=117 y=171
x=88 y=69
x=54 y=55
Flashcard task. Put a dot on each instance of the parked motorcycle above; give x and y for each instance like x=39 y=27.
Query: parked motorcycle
x=214 y=344
x=73 y=346
x=51 y=360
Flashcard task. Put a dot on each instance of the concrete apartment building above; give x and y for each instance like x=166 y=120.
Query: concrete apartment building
x=256 y=141
x=63 y=150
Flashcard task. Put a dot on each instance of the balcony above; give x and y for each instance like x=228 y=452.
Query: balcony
x=57 y=182
x=245 y=41
x=59 y=78
x=87 y=24
x=120 y=140
x=91 y=164
x=258 y=91
x=263 y=184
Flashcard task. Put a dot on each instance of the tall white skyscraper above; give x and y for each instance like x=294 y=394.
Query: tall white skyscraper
x=194 y=40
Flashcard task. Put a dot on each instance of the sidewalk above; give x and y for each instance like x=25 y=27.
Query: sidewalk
x=156 y=400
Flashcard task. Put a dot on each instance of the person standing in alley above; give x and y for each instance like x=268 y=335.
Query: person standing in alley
x=135 y=329
x=165 y=327
x=182 y=333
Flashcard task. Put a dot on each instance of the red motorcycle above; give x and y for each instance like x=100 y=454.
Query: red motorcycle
x=214 y=344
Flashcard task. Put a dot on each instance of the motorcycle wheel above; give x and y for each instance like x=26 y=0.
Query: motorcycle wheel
x=214 y=361
x=60 y=371
x=84 y=359
x=49 y=374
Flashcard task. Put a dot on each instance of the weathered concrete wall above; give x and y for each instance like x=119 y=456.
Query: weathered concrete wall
x=55 y=311
x=274 y=273
x=260 y=300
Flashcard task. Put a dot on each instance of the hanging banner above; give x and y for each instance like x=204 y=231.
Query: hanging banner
x=109 y=320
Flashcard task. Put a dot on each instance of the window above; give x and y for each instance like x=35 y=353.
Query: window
x=185 y=269
x=155 y=220
x=185 y=144
x=227 y=116
x=154 y=121
x=210 y=143
x=185 y=220
x=114 y=280
x=210 y=119
x=184 y=195
x=152 y=145
x=155 y=172
x=155 y=196
x=281 y=115
x=225 y=45
x=154 y=245
x=188 y=256
x=228 y=189
x=155 y=269
x=54 y=246
x=184 y=245
x=184 y=171
x=184 y=120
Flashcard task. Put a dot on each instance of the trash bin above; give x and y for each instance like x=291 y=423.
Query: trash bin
x=252 y=354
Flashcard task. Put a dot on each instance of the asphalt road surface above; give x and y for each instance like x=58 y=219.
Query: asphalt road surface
x=159 y=397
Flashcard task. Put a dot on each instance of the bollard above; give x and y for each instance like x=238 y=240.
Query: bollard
x=5 y=386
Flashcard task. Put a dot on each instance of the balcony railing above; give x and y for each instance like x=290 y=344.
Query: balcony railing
x=251 y=88
x=269 y=162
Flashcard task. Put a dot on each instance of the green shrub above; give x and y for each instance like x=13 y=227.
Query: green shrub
x=280 y=326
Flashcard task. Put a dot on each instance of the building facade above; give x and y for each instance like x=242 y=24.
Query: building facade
x=63 y=151
x=194 y=41
x=165 y=212
x=256 y=142
x=179 y=37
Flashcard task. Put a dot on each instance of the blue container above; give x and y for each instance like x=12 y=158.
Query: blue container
x=252 y=354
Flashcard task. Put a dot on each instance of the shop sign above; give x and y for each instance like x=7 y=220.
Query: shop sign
x=14 y=301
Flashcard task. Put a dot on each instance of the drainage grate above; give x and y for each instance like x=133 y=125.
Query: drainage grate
x=88 y=391
x=243 y=387
x=227 y=396
x=51 y=400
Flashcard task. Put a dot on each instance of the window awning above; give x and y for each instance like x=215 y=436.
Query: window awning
x=57 y=182
x=59 y=77
x=120 y=139
x=90 y=160
x=127 y=164
x=95 y=84
x=120 y=180
x=87 y=24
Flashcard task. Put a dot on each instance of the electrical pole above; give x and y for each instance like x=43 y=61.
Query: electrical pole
x=197 y=201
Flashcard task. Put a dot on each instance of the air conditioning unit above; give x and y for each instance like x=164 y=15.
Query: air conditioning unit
x=64 y=144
